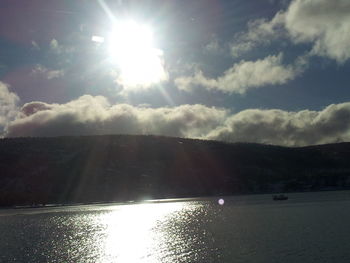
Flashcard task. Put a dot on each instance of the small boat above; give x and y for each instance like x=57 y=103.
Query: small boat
x=279 y=197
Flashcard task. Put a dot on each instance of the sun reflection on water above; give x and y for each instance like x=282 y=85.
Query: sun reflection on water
x=131 y=233
x=149 y=232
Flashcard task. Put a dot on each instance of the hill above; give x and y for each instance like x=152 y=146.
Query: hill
x=128 y=167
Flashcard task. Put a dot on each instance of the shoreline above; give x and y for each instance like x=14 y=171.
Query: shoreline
x=159 y=201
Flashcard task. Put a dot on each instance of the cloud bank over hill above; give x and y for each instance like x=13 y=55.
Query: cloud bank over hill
x=94 y=115
x=90 y=115
x=305 y=127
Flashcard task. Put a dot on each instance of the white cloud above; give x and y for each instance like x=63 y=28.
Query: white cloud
x=35 y=45
x=90 y=115
x=55 y=47
x=48 y=73
x=213 y=46
x=287 y=128
x=260 y=31
x=324 y=24
x=8 y=105
x=94 y=115
x=243 y=76
x=60 y=49
x=52 y=74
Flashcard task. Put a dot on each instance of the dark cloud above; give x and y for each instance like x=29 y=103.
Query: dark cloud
x=33 y=107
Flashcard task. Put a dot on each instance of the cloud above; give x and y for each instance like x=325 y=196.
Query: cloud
x=8 y=105
x=287 y=128
x=57 y=48
x=94 y=115
x=322 y=23
x=33 y=107
x=260 y=31
x=54 y=46
x=35 y=45
x=52 y=74
x=90 y=115
x=48 y=73
x=213 y=46
x=243 y=76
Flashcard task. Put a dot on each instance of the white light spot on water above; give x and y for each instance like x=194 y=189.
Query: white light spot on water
x=221 y=201
x=130 y=234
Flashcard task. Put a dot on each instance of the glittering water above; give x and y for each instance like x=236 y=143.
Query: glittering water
x=309 y=227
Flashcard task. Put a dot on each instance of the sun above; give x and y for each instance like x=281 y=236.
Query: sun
x=131 y=47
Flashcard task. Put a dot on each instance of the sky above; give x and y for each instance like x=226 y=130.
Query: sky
x=264 y=71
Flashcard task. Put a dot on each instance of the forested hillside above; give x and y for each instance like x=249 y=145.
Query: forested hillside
x=125 y=167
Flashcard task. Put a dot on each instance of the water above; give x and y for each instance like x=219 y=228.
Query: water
x=309 y=227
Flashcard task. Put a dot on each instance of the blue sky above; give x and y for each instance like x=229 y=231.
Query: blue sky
x=257 y=71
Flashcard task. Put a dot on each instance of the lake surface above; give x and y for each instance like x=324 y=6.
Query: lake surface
x=309 y=227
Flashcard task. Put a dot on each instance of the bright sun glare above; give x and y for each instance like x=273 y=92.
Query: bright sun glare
x=131 y=47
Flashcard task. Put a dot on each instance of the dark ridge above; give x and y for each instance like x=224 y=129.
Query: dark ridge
x=65 y=170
